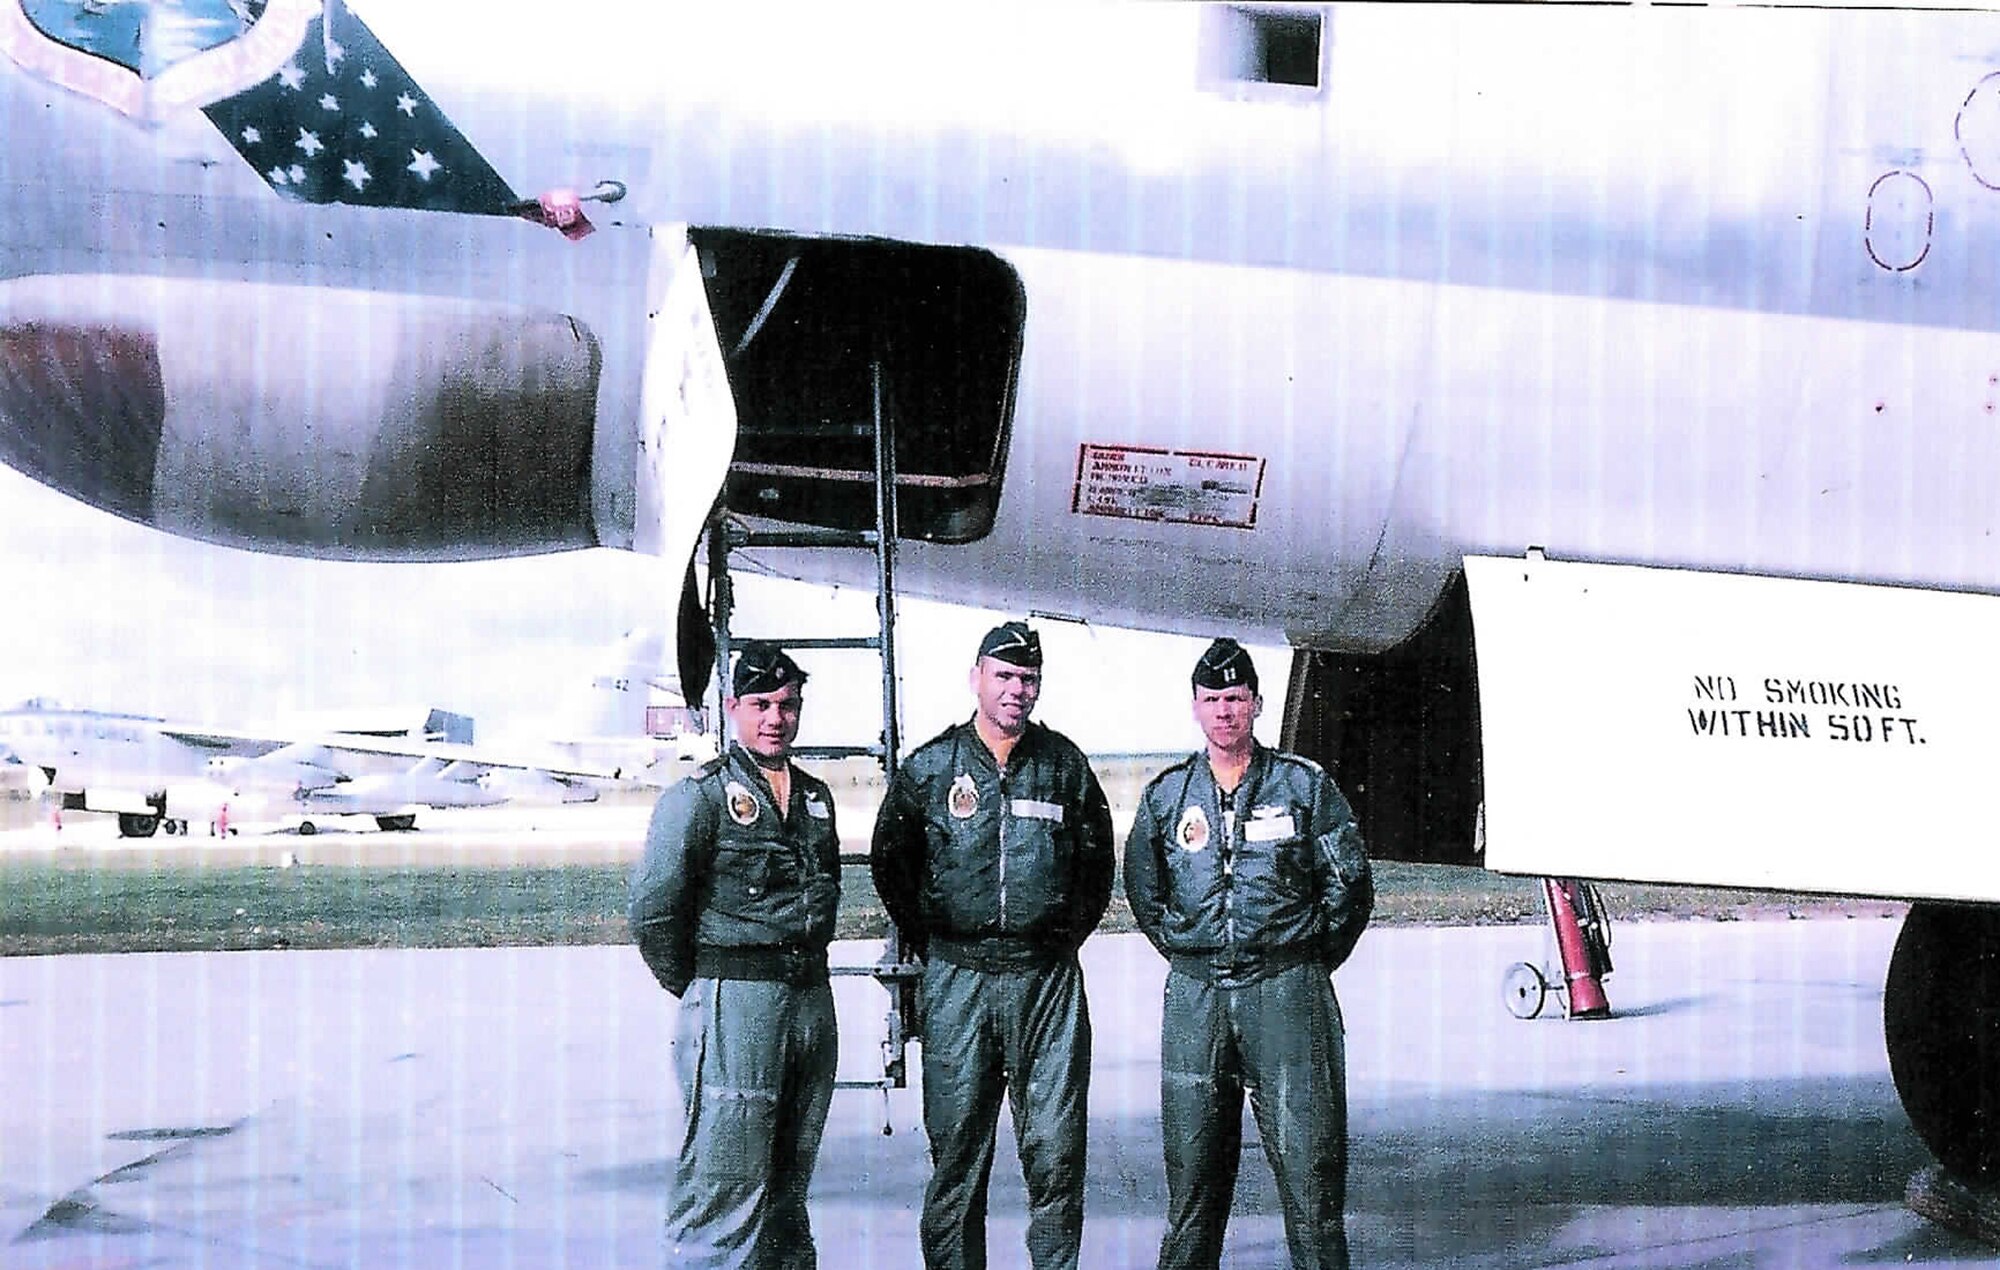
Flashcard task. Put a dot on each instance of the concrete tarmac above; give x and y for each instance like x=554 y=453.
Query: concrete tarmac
x=515 y=1107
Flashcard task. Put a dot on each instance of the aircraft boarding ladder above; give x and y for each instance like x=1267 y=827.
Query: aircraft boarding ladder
x=726 y=534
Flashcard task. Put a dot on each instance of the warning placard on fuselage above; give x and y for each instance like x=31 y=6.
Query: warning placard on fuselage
x=1721 y=729
x=1185 y=487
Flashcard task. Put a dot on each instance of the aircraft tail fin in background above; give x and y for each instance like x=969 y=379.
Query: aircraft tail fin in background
x=613 y=704
x=447 y=725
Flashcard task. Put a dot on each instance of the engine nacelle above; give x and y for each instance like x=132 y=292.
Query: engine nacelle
x=401 y=426
x=273 y=771
x=521 y=786
x=392 y=793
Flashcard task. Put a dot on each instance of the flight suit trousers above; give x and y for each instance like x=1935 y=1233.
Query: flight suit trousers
x=1026 y=1034
x=756 y=1064
x=1282 y=1039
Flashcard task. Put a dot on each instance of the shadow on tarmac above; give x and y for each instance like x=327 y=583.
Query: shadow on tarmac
x=514 y=1106
x=1650 y=1010
x=1488 y=1177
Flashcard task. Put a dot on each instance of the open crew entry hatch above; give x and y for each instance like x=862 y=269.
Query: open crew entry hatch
x=802 y=322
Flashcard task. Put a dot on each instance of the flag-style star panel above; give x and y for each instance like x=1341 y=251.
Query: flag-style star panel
x=342 y=122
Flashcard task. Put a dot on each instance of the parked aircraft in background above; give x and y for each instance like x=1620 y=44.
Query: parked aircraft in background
x=153 y=771
x=1272 y=320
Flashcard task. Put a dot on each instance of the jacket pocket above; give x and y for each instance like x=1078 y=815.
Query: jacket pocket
x=742 y=879
x=1190 y=880
x=1282 y=836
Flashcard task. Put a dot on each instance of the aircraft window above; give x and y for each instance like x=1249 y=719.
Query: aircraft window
x=803 y=321
x=1254 y=45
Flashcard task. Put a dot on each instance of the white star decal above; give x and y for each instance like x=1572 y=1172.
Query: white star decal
x=292 y=76
x=423 y=164
x=357 y=174
x=327 y=101
x=407 y=104
x=368 y=130
x=278 y=176
x=297 y=173
x=251 y=136
x=368 y=79
x=309 y=142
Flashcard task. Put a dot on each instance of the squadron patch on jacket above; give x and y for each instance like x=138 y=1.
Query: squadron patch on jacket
x=964 y=797
x=817 y=809
x=742 y=803
x=1192 y=831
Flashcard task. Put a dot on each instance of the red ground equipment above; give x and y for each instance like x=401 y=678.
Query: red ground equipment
x=1583 y=942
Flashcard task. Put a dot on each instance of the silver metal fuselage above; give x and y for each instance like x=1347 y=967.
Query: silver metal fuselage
x=1709 y=289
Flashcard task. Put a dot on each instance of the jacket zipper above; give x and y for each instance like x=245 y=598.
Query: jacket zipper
x=1002 y=811
x=1228 y=818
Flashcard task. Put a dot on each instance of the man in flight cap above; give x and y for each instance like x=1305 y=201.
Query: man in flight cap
x=733 y=906
x=993 y=853
x=1246 y=869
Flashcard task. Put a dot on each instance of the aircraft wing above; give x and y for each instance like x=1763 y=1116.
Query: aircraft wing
x=452 y=760
x=225 y=741
x=325 y=760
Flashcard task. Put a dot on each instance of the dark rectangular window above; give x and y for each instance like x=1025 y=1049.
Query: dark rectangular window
x=1287 y=48
x=1249 y=44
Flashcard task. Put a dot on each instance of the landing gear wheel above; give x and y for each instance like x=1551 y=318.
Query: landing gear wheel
x=396 y=824
x=1941 y=1022
x=307 y=829
x=1526 y=991
x=137 y=825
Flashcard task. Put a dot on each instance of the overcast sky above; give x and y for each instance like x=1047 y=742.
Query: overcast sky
x=112 y=615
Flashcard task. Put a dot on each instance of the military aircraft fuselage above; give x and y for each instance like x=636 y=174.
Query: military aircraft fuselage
x=1709 y=290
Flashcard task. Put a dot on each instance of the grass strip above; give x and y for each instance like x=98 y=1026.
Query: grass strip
x=50 y=909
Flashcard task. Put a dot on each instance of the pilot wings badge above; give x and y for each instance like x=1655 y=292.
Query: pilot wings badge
x=1192 y=831
x=964 y=797
x=146 y=58
x=742 y=803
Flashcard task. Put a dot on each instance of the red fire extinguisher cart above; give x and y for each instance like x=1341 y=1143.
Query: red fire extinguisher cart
x=1583 y=946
